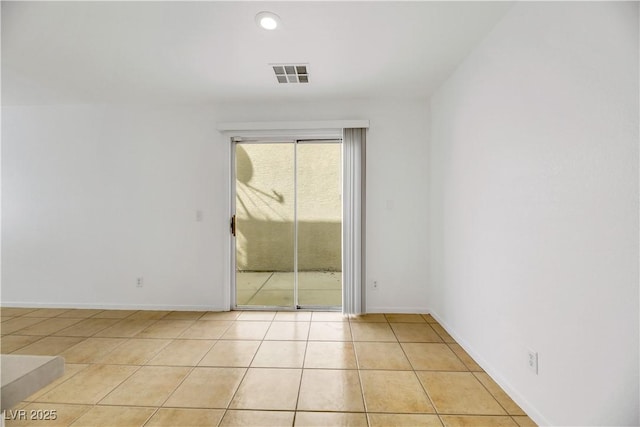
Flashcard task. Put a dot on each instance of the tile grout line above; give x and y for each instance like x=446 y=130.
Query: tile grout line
x=183 y=379
x=302 y=368
x=424 y=389
x=92 y=405
x=246 y=371
x=416 y=375
x=490 y=393
x=449 y=347
x=364 y=401
x=150 y=417
x=197 y=364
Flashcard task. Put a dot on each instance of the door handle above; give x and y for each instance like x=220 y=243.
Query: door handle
x=233 y=225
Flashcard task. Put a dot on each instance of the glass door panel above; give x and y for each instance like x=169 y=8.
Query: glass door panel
x=265 y=224
x=319 y=224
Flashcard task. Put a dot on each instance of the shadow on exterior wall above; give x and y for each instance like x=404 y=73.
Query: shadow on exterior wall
x=276 y=182
x=268 y=245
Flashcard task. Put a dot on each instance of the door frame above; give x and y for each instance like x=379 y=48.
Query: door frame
x=264 y=130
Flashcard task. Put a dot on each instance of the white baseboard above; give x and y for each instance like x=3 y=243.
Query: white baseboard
x=495 y=374
x=410 y=310
x=113 y=306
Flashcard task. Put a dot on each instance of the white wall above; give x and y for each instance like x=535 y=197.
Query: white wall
x=534 y=219
x=95 y=196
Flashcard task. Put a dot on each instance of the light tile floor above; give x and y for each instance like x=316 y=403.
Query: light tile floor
x=160 y=368
x=275 y=289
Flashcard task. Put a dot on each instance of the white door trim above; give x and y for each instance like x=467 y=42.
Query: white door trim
x=235 y=131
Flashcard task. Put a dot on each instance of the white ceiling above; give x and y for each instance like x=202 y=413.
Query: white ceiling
x=206 y=52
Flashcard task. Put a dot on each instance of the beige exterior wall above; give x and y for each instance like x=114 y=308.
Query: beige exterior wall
x=265 y=207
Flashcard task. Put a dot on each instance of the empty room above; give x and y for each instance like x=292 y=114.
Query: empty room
x=333 y=213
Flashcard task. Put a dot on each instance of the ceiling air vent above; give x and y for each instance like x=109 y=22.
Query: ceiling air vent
x=291 y=73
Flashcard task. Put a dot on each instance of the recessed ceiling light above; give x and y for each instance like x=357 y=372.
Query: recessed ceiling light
x=267 y=20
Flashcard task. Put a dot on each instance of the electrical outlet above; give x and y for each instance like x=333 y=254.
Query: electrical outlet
x=374 y=285
x=139 y=282
x=533 y=361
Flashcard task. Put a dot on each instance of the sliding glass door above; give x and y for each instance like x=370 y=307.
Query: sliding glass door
x=288 y=222
x=319 y=225
x=265 y=224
